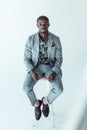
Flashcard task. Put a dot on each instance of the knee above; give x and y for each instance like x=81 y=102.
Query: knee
x=26 y=87
x=60 y=87
x=59 y=91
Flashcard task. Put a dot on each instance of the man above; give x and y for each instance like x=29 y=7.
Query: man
x=43 y=59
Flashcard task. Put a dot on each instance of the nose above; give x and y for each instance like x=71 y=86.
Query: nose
x=43 y=25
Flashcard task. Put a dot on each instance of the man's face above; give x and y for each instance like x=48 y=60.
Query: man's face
x=43 y=25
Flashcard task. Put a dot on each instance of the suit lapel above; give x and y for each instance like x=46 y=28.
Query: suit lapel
x=36 y=41
x=36 y=45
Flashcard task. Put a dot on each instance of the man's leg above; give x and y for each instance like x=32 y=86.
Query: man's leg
x=28 y=88
x=56 y=90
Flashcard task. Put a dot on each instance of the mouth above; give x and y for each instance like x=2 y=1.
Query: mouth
x=43 y=29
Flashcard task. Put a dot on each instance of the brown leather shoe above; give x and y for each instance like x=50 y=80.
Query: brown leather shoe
x=45 y=109
x=38 y=111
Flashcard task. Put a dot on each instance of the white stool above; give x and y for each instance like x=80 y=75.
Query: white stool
x=34 y=121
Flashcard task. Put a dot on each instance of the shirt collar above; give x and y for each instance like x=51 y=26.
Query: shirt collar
x=48 y=37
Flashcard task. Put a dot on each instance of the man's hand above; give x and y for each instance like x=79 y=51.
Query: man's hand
x=34 y=75
x=52 y=77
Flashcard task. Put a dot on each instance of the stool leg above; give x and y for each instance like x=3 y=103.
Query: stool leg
x=52 y=115
x=34 y=122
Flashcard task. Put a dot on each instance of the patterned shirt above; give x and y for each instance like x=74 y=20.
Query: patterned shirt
x=43 y=55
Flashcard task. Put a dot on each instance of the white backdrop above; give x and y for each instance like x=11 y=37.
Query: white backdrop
x=68 y=20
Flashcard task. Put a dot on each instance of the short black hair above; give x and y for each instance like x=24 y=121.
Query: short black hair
x=42 y=17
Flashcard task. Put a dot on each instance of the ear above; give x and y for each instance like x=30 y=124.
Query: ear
x=37 y=25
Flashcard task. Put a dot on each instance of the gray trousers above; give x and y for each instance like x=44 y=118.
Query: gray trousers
x=43 y=71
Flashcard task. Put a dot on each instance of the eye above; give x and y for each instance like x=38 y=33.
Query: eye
x=40 y=24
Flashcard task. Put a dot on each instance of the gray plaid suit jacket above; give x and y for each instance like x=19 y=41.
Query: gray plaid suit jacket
x=31 y=52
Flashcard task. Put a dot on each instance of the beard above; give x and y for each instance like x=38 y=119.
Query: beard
x=43 y=31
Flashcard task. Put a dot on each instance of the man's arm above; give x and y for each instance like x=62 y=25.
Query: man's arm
x=28 y=55
x=28 y=59
x=58 y=61
x=58 y=57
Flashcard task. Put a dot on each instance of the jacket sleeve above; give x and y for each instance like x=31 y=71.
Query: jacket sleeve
x=58 y=57
x=28 y=55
